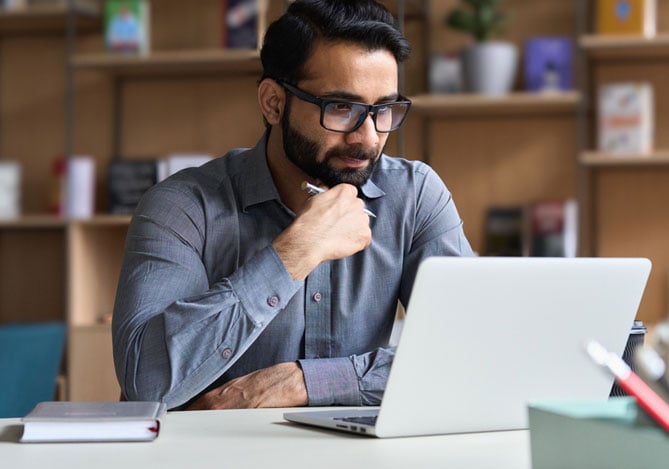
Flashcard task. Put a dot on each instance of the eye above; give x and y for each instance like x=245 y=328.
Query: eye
x=384 y=109
x=342 y=108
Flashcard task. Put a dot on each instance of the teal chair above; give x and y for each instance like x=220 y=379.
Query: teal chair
x=30 y=358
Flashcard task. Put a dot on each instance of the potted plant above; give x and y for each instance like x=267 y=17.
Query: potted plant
x=489 y=66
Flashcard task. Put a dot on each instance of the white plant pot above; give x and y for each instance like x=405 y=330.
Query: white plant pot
x=489 y=67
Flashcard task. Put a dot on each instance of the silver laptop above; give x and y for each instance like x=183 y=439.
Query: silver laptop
x=483 y=336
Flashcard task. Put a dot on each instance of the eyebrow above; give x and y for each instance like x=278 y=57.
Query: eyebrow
x=344 y=95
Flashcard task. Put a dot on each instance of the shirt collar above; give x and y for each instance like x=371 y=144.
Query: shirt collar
x=255 y=180
x=257 y=185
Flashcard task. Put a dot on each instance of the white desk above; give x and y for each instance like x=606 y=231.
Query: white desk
x=243 y=439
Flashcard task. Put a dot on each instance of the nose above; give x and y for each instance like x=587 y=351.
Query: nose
x=365 y=135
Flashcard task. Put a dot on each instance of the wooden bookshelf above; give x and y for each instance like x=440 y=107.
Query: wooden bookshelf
x=519 y=103
x=177 y=62
x=625 y=47
x=597 y=159
x=625 y=195
x=31 y=222
x=498 y=150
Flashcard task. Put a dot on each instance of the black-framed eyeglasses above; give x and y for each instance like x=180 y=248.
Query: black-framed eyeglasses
x=339 y=115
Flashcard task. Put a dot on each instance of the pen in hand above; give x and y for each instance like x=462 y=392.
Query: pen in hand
x=313 y=190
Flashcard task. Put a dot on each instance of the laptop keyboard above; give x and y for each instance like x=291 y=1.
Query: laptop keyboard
x=370 y=420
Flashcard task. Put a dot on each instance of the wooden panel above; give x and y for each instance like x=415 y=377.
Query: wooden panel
x=32 y=274
x=175 y=25
x=95 y=256
x=43 y=19
x=32 y=110
x=200 y=115
x=488 y=161
x=91 y=374
x=631 y=221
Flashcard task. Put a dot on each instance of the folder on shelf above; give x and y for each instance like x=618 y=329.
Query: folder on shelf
x=587 y=434
x=633 y=17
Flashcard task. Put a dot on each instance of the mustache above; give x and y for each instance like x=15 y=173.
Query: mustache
x=355 y=153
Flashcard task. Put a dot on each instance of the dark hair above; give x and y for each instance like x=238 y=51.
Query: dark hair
x=290 y=39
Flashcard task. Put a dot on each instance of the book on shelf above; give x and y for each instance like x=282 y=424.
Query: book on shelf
x=93 y=422
x=552 y=228
x=127 y=26
x=626 y=118
x=10 y=189
x=79 y=187
x=626 y=17
x=245 y=22
x=542 y=228
x=549 y=64
x=505 y=231
x=127 y=181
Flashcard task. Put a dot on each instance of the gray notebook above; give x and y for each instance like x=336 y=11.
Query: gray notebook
x=93 y=421
x=484 y=336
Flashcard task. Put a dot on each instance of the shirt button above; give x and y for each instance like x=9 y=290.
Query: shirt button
x=226 y=353
x=317 y=296
x=273 y=301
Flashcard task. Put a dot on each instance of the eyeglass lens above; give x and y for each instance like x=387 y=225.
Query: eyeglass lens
x=347 y=116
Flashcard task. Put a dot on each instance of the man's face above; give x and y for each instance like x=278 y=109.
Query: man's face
x=347 y=72
x=302 y=152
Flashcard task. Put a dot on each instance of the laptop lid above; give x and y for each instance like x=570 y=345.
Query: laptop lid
x=483 y=336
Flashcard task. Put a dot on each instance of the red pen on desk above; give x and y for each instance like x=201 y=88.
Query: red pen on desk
x=631 y=383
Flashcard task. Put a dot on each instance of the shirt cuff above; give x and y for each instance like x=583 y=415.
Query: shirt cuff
x=264 y=286
x=331 y=381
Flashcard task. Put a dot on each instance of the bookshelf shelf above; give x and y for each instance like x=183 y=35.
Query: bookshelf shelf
x=625 y=47
x=44 y=19
x=177 y=62
x=104 y=220
x=515 y=103
x=33 y=222
x=597 y=159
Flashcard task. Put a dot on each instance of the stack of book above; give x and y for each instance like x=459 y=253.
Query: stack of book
x=546 y=228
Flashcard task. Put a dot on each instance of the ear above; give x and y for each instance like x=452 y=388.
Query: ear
x=272 y=100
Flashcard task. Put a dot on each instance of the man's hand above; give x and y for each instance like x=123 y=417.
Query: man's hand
x=281 y=385
x=333 y=225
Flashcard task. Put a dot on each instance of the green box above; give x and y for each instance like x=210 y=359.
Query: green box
x=595 y=434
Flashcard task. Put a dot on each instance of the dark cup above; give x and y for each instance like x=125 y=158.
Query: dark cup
x=635 y=339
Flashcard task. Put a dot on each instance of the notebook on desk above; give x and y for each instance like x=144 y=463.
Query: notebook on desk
x=484 y=336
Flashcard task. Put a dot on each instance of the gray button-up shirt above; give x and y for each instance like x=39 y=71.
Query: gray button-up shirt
x=203 y=297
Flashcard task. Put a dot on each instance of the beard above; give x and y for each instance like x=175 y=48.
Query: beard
x=302 y=153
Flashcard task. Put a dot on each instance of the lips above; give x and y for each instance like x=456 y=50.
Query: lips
x=353 y=162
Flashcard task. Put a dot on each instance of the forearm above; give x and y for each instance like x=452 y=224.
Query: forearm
x=358 y=380
x=173 y=351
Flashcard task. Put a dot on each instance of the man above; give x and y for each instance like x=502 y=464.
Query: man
x=239 y=288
